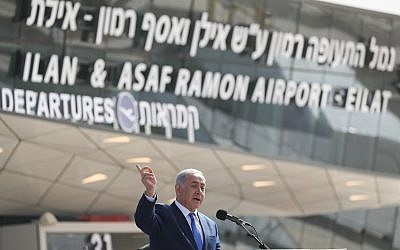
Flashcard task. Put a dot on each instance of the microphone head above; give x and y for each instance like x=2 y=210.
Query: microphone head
x=221 y=214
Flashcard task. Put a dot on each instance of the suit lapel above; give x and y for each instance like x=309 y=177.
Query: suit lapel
x=183 y=225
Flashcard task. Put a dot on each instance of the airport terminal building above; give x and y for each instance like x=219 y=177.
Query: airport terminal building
x=290 y=108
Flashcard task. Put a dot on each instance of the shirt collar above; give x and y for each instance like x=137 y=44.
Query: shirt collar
x=184 y=210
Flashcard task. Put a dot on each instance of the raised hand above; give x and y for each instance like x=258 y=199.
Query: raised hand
x=149 y=180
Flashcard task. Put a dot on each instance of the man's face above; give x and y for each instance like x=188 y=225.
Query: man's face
x=192 y=192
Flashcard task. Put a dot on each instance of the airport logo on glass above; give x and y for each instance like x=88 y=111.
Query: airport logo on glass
x=127 y=112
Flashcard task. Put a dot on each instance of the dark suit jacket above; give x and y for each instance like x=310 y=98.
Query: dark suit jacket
x=168 y=228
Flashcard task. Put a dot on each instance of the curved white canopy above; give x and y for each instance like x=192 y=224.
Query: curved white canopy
x=43 y=166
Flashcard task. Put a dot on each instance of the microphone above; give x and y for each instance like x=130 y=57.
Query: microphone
x=223 y=215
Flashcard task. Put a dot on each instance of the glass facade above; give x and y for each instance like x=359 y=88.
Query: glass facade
x=328 y=135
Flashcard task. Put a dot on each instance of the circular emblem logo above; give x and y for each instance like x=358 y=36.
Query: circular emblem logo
x=127 y=114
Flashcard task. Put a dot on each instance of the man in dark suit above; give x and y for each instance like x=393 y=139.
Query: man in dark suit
x=178 y=226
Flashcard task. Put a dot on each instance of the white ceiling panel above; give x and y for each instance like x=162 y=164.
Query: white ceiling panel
x=390 y=199
x=49 y=169
x=33 y=128
x=318 y=198
x=356 y=196
x=233 y=190
x=214 y=201
x=29 y=210
x=253 y=208
x=342 y=176
x=9 y=207
x=344 y=190
x=202 y=159
x=388 y=185
x=125 y=143
x=68 y=199
x=164 y=170
x=100 y=156
x=7 y=147
x=219 y=178
x=39 y=161
x=320 y=207
x=128 y=185
x=287 y=168
x=100 y=136
x=314 y=194
x=140 y=148
x=176 y=149
x=310 y=180
x=350 y=205
x=285 y=205
x=107 y=204
x=232 y=159
x=347 y=184
x=22 y=188
x=247 y=178
x=5 y=130
x=81 y=168
x=267 y=195
x=27 y=153
x=67 y=140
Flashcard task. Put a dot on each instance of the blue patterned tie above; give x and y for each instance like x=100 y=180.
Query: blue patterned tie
x=195 y=231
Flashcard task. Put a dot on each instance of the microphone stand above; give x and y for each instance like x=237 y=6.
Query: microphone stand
x=255 y=237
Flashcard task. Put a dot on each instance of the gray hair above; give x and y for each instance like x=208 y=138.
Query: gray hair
x=181 y=176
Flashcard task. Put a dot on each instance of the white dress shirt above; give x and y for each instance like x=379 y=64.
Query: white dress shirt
x=185 y=213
